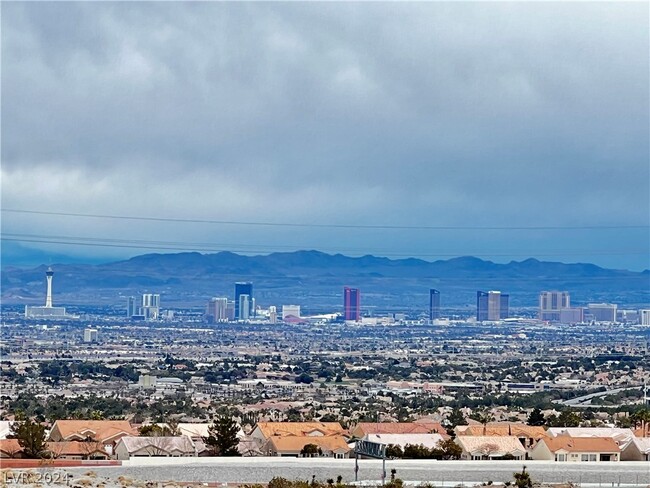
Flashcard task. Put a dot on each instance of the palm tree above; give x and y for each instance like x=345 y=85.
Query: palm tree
x=641 y=418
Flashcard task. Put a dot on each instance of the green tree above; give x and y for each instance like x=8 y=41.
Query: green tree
x=31 y=437
x=640 y=418
x=310 y=450
x=567 y=418
x=624 y=422
x=455 y=419
x=223 y=440
x=449 y=449
x=155 y=430
x=394 y=451
x=304 y=378
x=522 y=480
x=536 y=417
x=413 y=451
x=329 y=417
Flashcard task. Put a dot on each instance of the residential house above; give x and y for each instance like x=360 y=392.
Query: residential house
x=249 y=447
x=333 y=446
x=638 y=449
x=107 y=432
x=528 y=435
x=478 y=448
x=620 y=435
x=363 y=429
x=264 y=430
x=402 y=440
x=77 y=450
x=10 y=448
x=576 y=449
x=163 y=446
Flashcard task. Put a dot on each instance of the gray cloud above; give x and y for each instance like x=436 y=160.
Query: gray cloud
x=421 y=113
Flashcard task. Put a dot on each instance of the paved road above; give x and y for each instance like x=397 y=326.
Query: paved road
x=585 y=400
x=440 y=473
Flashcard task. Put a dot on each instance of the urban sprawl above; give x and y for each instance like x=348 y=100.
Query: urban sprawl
x=569 y=385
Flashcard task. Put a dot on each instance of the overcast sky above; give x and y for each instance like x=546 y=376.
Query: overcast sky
x=415 y=114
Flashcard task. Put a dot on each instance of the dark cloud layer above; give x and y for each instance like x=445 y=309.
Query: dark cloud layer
x=415 y=113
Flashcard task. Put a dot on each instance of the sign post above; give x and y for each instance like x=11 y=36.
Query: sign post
x=373 y=450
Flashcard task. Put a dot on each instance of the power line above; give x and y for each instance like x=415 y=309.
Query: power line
x=326 y=226
x=266 y=249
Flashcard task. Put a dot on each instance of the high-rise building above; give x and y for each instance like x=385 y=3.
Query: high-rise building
x=243 y=288
x=216 y=310
x=230 y=310
x=492 y=306
x=290 y=311
x=90 y=335
x=151 y=300
x=244 y=307
x=644 y=317
x=131 y=307
x=434 y=304
x=48 y=310
x=603 y=312
x=150 y=308
x=273 y=315
x=551 y=303
x=351 y=304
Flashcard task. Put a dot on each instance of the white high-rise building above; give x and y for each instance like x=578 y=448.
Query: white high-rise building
x=492 y=306
x=151 y=300
x=218 y=309
x=150 y=306
x=644 y=317
x=244 y=307
x=290 y=311
x=551 y=303
x=91 y=335
x=273 y=315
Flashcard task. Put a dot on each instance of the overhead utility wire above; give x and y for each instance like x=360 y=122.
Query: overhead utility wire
x=326 y=226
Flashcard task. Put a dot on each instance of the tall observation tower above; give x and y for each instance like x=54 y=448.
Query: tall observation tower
x=48 y=310
x=48 y=299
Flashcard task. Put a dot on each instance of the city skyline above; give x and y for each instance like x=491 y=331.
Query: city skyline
x=493 y=306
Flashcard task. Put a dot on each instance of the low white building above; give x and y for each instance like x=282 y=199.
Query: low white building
x=131 y=446
x=638 y=449
x=576 y=449
x=618 y=434
x=402 y=440
x=477 y=448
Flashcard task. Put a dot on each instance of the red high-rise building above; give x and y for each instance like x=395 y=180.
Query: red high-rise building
x=352 y=304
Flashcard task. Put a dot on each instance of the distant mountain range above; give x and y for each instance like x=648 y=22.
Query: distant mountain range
x=315 y=280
